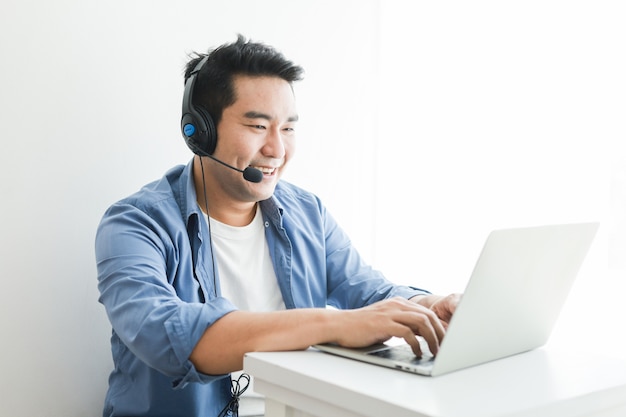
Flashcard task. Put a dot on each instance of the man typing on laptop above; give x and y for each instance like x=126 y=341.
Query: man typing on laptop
x=220 y=257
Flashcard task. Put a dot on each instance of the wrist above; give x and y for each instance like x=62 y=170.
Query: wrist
x=426 y=300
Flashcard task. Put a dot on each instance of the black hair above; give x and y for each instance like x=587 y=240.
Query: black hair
x=214 y=89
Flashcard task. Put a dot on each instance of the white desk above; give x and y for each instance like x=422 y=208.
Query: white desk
x=541 y=383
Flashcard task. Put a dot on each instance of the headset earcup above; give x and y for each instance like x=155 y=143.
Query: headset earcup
x=198 y=130
x=196 y=124
x=209 y=136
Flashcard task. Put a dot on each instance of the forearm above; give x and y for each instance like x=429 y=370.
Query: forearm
x=223 y=344
x=221 y=348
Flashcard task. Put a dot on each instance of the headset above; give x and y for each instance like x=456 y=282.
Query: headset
x=199 y=129
x=196 y=123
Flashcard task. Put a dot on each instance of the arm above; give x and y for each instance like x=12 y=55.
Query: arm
x=223 y=345
x=374 y=312
x=156 y=307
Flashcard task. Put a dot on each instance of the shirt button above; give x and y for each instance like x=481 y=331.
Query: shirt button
x=267 y=224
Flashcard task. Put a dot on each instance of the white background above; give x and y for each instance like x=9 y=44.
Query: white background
x=424 y=125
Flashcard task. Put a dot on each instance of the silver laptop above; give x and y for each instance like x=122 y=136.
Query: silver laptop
x=516 y=291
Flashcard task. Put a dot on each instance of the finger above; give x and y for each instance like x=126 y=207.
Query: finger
x=425 y=324
x=445 y=307
x=422 y=321
x=414 y=343
x=403 y=328
x=433 y=342
x=437 y=327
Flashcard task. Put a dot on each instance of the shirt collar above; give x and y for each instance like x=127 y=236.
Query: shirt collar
x=272 y=210
x=187 y=199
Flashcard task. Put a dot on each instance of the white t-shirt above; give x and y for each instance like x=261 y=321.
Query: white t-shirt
x=248 y=280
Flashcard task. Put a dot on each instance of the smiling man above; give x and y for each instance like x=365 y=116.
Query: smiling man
x=207 y=263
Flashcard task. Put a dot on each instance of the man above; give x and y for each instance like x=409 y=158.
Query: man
x=206 y=264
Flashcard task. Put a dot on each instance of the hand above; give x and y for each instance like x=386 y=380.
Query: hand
x=395 y=317
x=443 y=306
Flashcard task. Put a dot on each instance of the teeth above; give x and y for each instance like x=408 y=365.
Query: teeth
x=266 y=170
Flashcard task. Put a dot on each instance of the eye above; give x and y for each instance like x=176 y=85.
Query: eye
x=258 y=127
x=289 y=127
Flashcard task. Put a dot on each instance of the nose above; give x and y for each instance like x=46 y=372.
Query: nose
x=274 y=144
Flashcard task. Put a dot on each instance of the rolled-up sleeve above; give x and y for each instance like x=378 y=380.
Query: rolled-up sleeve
x=155 y=301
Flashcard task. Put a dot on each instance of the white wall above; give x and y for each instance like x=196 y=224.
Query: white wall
x=90 y=95
x=500 y=114
x=495 y=115
x=89 y=111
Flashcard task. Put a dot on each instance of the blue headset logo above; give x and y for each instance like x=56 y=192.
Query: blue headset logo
x=189 y=129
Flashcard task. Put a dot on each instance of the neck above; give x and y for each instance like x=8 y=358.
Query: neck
x=230 y=215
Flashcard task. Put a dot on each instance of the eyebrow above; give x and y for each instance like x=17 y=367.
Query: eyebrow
x=258 y=115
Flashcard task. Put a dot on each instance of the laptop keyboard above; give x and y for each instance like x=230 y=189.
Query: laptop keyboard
x=402 y=353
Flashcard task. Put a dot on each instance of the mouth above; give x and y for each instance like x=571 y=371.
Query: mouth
x=266 y=170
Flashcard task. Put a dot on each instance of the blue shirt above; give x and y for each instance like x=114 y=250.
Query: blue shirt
x=160 y=292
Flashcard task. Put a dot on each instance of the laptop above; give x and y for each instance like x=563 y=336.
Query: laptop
x=510 y=305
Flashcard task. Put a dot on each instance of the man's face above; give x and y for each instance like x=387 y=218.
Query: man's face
x=257 y=130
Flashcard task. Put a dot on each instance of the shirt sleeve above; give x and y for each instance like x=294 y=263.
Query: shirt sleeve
x=147 y=286
x=351 y=282
x=315 y=260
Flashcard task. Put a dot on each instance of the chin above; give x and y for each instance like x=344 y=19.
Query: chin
x=254 y=192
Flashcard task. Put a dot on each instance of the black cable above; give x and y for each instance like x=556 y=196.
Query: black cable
x=208 y=219
x=237 y=388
